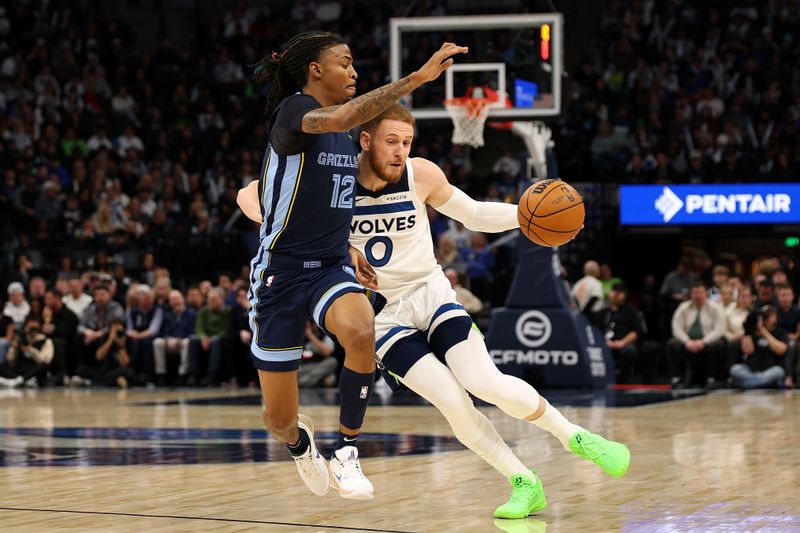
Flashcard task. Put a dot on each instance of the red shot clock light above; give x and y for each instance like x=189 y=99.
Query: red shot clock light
x=544 y=46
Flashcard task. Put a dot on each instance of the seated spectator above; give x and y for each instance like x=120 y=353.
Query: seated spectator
x=480 y=261
x=194 y=298
x=677 y=284
x=225 y=283
x=61 y=325
x=734 y=323
x=764 y=346
x=7 y=332
x=241 y=336
x=121 y=281
x=317 y=366
x=93 y=326
x=77 y=300
x=212 y=325
x=163 y=289
x=447 y=254
x=588 y=291
x=37 y=287
x=29 y=357
x=719 y=278
x=608 y=280
x=456 y=230
x=469 y=301
x=179 y=326
x=110 y=364
x=727 y=296
x=17 y=307
x=144 y=324
x=623 y=329
x=789 y=321
x=698 y=327
x=779 y=278
x=37 y=308
x=766 y=292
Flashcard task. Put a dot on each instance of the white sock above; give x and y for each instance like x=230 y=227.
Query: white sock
x=436 y=383
x=557 y=424
x=490 y=446
x=473 y=367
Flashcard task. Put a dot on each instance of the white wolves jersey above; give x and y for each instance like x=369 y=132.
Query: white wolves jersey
x=390 y=227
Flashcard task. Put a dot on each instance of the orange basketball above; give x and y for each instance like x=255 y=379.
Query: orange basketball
x=550 y=212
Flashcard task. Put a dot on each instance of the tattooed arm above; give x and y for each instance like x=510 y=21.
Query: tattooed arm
x=361 y=109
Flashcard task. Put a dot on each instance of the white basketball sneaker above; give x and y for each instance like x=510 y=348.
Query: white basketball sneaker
x=347 y=477
x=312 y=466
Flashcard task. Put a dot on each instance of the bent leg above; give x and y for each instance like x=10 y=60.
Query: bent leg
x=281 y=398
x=771 y=377
x=350 y=317
x=742 y=376
x=473 y=367
x=436 y=383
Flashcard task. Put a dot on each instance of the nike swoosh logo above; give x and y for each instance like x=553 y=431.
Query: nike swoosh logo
x=350 y=440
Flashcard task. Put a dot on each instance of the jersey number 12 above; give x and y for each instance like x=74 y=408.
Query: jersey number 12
x=343 y=187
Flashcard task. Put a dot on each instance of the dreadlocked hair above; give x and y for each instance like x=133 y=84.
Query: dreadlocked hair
x=287 y=73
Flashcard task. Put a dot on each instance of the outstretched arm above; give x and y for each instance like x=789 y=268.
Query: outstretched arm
x=248 y=201
x=361 y=109
x=490 y=217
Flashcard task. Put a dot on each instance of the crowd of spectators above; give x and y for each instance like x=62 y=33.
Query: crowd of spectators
x=114 y=154
x=703 y=327
x=110 y=152
x=684 y=91
x=96 y=329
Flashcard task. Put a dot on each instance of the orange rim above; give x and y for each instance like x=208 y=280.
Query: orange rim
x=473 y=106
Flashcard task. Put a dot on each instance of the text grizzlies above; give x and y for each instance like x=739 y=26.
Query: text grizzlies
x=337 y=160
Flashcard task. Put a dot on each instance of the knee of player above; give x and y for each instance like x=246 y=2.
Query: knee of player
x=455 y=409
x=359 y=333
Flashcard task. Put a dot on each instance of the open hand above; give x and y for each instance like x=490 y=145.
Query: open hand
x=440 y=61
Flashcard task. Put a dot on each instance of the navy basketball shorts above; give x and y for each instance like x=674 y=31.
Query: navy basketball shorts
x=282 y=300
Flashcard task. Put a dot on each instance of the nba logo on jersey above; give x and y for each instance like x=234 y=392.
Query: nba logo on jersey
x=270 y=280
x=364 y=392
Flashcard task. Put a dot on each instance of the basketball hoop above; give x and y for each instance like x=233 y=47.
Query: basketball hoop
x=469 y=116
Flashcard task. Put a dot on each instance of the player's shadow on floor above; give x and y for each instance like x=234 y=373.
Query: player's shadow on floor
x=526 y=525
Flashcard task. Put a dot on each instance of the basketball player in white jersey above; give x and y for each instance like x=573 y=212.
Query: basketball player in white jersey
x=425 y=339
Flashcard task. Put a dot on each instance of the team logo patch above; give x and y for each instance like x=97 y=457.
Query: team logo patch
x=364 y=392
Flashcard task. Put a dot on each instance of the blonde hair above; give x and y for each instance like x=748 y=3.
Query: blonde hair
x=396 y=111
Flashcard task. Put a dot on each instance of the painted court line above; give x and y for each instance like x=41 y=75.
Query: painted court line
x=206 y=518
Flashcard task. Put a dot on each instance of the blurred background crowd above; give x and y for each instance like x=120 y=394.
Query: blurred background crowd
x=124 y=259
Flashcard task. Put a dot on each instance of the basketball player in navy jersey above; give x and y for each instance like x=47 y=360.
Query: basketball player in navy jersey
x=303 y=269
x=426 y=340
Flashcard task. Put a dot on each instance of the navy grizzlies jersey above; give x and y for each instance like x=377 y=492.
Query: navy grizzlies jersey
x=307 y=186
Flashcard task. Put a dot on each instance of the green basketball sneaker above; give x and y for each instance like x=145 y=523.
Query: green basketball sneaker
x=612 y=457
x=527 y=497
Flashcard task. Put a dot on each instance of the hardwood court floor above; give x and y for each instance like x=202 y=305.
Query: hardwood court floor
x=115 y=461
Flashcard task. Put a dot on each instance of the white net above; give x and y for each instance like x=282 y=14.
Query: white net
x=469 y=116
